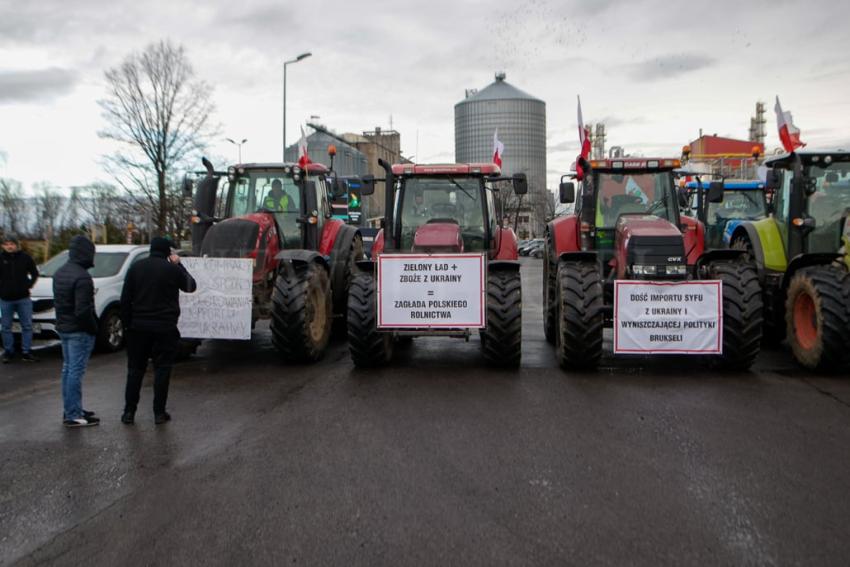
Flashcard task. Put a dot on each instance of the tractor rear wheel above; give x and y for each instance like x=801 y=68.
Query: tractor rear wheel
x=817 y=315
x=369 y=347
x=301 y=312
x=773 y=327
x=550 y=302
x=355 y=253
x=581 y=321
x=743 y=313
x=501 y=340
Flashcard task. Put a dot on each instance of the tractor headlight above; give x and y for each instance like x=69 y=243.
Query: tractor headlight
x=677 y=270
x=643 y=270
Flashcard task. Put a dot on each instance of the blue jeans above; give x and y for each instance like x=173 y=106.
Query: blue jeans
x=23 y=307
x=76 y=349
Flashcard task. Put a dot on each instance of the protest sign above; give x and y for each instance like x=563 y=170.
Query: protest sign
x=221 y=306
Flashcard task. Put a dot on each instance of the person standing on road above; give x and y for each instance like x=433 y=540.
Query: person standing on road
x=76 y=323
x=150 y=308
x=18 y=273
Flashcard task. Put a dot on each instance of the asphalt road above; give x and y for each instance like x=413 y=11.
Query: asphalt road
x=433 y=460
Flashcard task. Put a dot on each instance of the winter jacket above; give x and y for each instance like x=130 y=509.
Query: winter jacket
x=150 y=299
x=18 y=273
x=73 y=290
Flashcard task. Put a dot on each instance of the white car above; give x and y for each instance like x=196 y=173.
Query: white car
x=111 y=262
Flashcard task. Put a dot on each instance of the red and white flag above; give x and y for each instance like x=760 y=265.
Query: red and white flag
x=303 y=156
x=584 y=141
x=788 y=133
x=498 y=149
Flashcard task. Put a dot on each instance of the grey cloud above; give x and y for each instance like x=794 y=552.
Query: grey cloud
x=566 y=146
x=667 y=66
x=35 y=85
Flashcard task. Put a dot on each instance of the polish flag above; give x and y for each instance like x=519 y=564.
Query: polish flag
x=303 y=156
x=788 y=133
x=584 y=141
x=498 y=149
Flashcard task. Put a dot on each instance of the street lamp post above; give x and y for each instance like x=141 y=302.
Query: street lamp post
x=285 y=63
x=239 y=145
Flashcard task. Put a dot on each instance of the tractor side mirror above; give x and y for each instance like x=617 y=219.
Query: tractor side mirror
x=187 y=186
x=715 y=192
x=567 y=192
x=682 y=193
x=367 y=184
x=773 y=180
x=520 y=184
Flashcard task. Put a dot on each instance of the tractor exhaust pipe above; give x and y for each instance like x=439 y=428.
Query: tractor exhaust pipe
x=389 y=184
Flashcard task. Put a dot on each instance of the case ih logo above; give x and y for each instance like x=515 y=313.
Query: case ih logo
x=635 y=164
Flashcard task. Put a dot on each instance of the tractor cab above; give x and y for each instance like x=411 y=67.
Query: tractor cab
x=445 y=208
x=742 y=201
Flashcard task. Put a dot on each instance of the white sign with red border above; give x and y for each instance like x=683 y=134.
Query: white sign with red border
x=668 y=317
x=432 y=291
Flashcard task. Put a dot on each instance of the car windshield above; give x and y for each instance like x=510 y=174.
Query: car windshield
x=273 y=191
x=829 y=204
x=450 y=199
x=745 y=204
x=106 y=264
x=635 y=192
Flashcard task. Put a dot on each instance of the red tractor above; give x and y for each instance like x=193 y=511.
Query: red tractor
x=279 y=215
x=627 y=226
x=439 y=218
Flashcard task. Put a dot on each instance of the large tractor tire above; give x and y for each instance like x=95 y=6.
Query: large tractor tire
x=368 y=346
x=550 y=295
x=817 y=314
x=773 y=326
x=501 y=340
x=301 y=312
x=743 y=314
x=581 y=321
x=355 y=253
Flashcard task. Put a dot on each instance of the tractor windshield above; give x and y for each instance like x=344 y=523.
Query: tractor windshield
x=272 y=191
x=633 y=192
x=443 y=199
x=745 y=204
x=828 y=205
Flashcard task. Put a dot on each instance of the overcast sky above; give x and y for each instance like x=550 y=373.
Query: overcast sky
x=655 y=71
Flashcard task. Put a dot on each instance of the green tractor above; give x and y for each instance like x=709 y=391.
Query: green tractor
x=802 y=252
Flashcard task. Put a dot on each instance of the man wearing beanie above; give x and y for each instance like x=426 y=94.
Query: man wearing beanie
x=76 y=323
x=150 y=308
x=18 y=273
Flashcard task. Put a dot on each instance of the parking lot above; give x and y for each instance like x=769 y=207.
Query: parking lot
x=434 y=459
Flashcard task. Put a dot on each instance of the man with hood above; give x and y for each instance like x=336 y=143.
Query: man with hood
x=18 y=274
x=150 y=308
x=76 y=323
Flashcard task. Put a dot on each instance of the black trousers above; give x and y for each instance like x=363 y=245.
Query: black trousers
x=142 y=346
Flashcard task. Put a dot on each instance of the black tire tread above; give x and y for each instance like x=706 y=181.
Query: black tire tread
x=550 y=303
x=501 y=340
x=743 y=314
x=369 y=347
x=291 y=314
x=581 y=322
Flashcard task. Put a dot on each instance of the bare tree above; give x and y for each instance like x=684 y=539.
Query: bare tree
x=160 y=114
x=12 y=206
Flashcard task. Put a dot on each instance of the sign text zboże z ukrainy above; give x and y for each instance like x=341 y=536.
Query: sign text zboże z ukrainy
x=668 y=317
x=426 y=291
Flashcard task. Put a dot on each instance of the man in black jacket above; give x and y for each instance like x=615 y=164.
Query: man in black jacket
x=76 y=323
x=18 y=274
x=150 y=307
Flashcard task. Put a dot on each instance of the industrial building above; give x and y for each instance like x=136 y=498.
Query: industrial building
x=521 y=122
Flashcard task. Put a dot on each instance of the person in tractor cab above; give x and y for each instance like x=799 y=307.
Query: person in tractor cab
x=278 y=199
x=419 y=209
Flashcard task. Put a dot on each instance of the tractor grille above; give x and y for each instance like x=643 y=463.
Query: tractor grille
x=657 y=251
x=230 y=239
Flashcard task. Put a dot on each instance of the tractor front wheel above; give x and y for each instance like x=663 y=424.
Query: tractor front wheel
x=743 y=313
x=550 y=302
x=369 y=347
x=501 y=340
x=817 y=316
x=301 y=312
x=581 y=320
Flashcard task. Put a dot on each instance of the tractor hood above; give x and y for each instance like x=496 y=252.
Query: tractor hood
x=438 y=237
x=647 y=240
